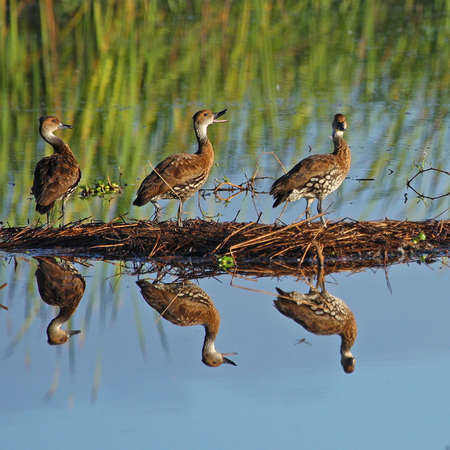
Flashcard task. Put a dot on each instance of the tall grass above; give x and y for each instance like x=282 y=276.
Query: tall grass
x=129 y=75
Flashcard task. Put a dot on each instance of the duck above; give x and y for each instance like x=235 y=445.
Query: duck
x=56 y=176
x=181 y=175
x=186 y=304
x=317 y=175
x=59 y=284
x=324 y=314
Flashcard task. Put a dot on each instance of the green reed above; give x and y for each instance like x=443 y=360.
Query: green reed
x=129 y=75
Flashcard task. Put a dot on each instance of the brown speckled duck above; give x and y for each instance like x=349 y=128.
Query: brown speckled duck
x=321 y=313
x=181 y=175
x=185 y=304
x=317 y=175
x=57 y=176
x=59 y=284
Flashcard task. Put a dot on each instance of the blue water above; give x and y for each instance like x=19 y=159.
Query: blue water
x=128 y=382
x=125 y=381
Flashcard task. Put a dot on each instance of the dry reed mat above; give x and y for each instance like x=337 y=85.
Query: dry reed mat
x=378 y=241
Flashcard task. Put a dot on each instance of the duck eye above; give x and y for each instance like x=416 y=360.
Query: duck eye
x=205 y=114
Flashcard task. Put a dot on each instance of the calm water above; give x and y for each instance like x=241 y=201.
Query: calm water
x=129 y=76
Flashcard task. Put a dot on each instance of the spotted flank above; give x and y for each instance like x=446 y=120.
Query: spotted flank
x=321 y=313
x=181 y=175
x=186 y=304
x=316 y=176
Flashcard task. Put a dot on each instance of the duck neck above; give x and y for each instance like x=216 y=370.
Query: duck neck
x=59 y=146
x=54 y=332
x=209 y=342
x=64 y=315
x=202 y=139
x=340 y=146
x=347 y=361
x=212 y=326
x=205 y=148
x=346 y=345
x=347 y=340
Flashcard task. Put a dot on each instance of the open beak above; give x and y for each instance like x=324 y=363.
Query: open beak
x=63 y=125
x=72 y=332
x=226 y=360
x=217 y=115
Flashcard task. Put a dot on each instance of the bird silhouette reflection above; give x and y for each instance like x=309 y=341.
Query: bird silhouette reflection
x=185 y=304
x=321 y=313
x=59 y=284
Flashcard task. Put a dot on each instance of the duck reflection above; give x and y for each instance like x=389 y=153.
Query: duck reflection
x=321 y=313
x=185 y=304
x=59 y=284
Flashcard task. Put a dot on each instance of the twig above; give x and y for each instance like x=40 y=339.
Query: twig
x=420 y=172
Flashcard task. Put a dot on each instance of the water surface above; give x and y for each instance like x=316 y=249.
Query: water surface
x=129 y=379
x=129 y=76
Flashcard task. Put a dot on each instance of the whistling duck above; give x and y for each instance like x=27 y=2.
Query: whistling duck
x=181 y=175
x=323 y=314
x=59 y=284
x=316 y=176
x=57 y=176
x=185 y=304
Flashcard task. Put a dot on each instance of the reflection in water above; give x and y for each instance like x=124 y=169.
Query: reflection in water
x=185 y=304
x=323 y=314
x=59 y=284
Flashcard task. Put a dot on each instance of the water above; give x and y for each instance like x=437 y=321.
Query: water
x=125 y=379
x=129 y=77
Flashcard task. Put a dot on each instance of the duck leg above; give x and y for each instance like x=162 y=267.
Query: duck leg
x=157 y=211
x=319 y=210
x=63 y=208
x=180 y=214
x=308 y=207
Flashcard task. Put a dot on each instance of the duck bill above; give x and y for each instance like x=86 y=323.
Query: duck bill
x=341 y=127
x=217 y=115
x=72 y=332
x=228 y=361
x=64 y=125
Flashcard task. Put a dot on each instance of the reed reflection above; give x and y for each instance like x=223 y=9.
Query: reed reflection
x=185 y=304
x=59 y=284
x=323 y=314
